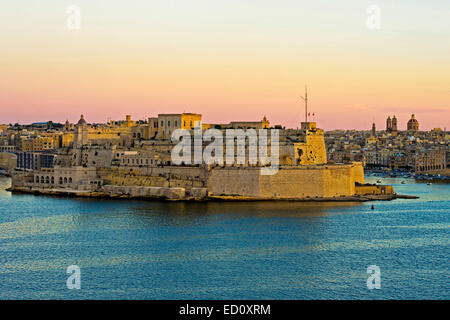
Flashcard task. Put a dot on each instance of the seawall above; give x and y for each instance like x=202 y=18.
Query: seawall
x=299 y=183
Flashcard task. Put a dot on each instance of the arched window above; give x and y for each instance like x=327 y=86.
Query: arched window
x=53 y=180
x=42 y=179
x=37 y=179
x=60 y=180
x=70 y=180
x=47 y=179
x=65 y=180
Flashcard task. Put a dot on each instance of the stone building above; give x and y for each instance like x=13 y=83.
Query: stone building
x=245 y=125
x=388 y=124
x=67 y=177
x=34 y=160
x=394 y=124
x=168 y=123
x=391 y=124
x=81 y=133
x=413 y=124
x=430 y=161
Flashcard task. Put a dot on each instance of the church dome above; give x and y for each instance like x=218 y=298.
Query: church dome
x=412 y=120
x=81 y=121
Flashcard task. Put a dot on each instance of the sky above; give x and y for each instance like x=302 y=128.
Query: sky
x=230 y=60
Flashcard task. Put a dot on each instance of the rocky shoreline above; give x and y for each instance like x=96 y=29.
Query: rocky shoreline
x=107 y=195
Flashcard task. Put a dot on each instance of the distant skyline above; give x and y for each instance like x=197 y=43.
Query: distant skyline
x=228 y=60
x=379 y=127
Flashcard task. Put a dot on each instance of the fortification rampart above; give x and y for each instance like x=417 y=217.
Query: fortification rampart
x=309 y=182
x=315 y=181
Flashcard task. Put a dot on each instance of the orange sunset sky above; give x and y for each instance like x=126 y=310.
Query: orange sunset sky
x=228 y=60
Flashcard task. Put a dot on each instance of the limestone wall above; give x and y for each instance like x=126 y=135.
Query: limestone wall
x=315 y=181
x=8 y=160
x=168 y=176
x=373 y=189
x=234 y=181
x=309 y=182
x=323 y=181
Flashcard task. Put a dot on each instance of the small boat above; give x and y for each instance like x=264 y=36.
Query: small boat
x=373 y=207
x=429 y=183
x=378 y=181
x=403 y=182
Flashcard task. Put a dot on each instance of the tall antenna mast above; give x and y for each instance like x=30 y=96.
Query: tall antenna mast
x=305 y=98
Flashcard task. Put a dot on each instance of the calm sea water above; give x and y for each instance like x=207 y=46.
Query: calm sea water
x=254 y=250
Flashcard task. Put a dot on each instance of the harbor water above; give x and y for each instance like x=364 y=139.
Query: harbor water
x=226 y=250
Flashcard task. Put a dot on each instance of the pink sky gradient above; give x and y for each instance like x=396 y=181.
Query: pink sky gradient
x=229 y=62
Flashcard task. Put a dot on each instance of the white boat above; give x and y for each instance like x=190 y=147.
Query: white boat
x=403 y=182
x=378 y=181
x=429 y=183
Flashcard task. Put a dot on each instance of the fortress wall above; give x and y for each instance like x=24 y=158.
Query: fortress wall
x=174 y=177
x=321 y=181
x=310 y=181
x=234 y=181
x=339 y=181
x=8 y=160
x=358 y=172
x=289 y=182
x=292 y=183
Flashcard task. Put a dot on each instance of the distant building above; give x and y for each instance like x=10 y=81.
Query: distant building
x=81 y=133
x=34 y=160
x=394 y=124
x=413 y=124
x=391 y=125
x=168 y=123
x=431 y=161
x=388 y=124
x=10 y=149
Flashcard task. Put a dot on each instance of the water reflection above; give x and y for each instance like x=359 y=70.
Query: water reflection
x=159 y=213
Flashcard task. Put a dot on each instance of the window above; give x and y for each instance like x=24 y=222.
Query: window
x=162 y=123
x=168 y=123
x=70 y=180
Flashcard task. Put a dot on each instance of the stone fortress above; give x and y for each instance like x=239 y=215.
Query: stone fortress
x=127 y=159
